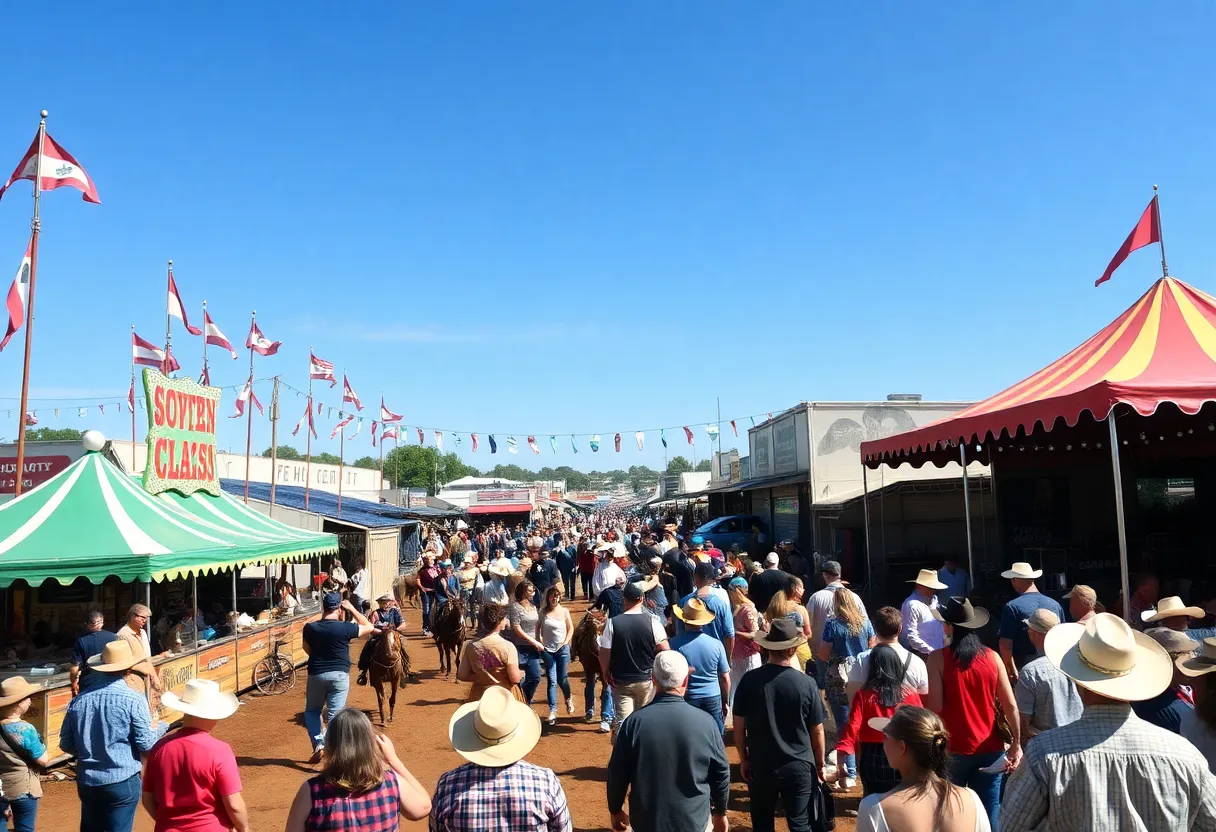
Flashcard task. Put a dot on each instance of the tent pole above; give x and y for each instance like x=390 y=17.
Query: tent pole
x=194 y=593
x=148 y=594
x=865 y=511
x=1122 y=525
x=962 y=458
x=234 y=610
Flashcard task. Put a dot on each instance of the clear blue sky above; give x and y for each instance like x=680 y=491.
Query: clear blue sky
x=572 y=217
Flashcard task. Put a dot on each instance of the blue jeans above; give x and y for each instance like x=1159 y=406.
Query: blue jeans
x=712 y=705
x=606 y=710
x=428 y=601
x=109 y=808
x=568 y=582
x=25 y=812
x=326 y=690
x=555 y=664
x=965 y=771
x=529 y=663
x=840 y=714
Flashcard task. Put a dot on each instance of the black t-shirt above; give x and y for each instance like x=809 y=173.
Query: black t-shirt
x=612 y=600
x=780 y=705
x=766 y=584
x=90 y=644
x=681 y=571
x=329 y=645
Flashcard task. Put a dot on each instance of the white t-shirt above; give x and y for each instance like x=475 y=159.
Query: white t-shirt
x=871 y=819
x=917 y=676
x=605 y=575
x=660 y=634
x=362 y=584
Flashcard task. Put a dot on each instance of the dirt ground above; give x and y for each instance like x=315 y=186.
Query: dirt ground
x=271 y=746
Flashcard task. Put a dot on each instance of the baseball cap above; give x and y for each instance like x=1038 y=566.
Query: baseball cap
x=1041 y=621
x=697 y=540
x=772 y=559
x=670 y=669
x=632 y=592
x=831 y=567
x=705 y=571
x=738 y=583
x=1082 y=591
x=331 y=601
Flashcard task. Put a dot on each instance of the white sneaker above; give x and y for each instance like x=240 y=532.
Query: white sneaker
x=552 y=717
x=850 y=782
x=832 y=757
x=605 y=728
x=569 y=707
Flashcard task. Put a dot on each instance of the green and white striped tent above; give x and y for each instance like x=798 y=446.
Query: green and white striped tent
x=93 y=520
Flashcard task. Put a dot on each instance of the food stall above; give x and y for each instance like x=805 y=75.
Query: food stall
x=93 y=537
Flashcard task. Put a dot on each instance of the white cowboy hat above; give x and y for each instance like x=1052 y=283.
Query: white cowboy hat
x=928 y=579
x=115 y=657
x=202 y=698
x=500 y=569
x=1169 y=608
x=1110 y=658
x=495 y=731
x=1023 y=571
x=15 y=689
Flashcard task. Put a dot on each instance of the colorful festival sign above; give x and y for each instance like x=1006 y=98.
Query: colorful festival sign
x=181 y=435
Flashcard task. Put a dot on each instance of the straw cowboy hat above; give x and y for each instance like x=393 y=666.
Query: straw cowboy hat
x=1110 y=658
x=928 y=579
x=1023 y=571
x=1202 y=664
x=15 y=689
x=1169 y=608
x=494 y=731
x=116 y=657
x=782 y=635
x=500 y=568
x=958 y=612
x=388 y=596
x=202 y=698
x=695 y=612
x=1174 y=642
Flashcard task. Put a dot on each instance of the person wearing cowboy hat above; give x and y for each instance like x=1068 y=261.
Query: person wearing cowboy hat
x=387 y=617
x=190 y=777
x=497 y=788
x=709 y=685
x=922 y=632
x=1082 y=603
x=606 y=571
x=1109 y=769
x=1172 y=614
x=1046 y=697
x=495 y=590
x=1198 y=724
x=1015 y=645
x=1165 y=710
x=22 y=754
x=106 y=728
x=778 y=730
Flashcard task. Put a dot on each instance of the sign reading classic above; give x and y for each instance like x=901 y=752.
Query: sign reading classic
x=181 y=435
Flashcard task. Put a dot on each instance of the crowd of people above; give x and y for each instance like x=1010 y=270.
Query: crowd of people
x=1074 y=720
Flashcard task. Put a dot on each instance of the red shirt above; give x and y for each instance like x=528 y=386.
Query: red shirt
x=864 y=708
x=969 y=703
x=189 y=772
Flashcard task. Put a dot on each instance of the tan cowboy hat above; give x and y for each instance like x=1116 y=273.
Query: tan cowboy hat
x=202 y=698
x=695 y=612
x=1022 y=570
x=500 y=568
x=494 y=731
x=1199 y=665
x=116 y=657
x=1169 y=608
x=928 y=579
x=1174 y=642
x=1107 y=656
x=782 y=635
x=388 y=596
x=15 y=689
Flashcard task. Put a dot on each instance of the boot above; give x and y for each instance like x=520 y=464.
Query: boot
x=362 y=680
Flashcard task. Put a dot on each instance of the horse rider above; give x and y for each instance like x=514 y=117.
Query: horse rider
x=387 y=617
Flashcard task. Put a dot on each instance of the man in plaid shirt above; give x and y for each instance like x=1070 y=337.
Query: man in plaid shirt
x=497 y=789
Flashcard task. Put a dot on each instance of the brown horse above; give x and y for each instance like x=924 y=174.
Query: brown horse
x=586 y=648
x=408 y=590
x=448 y=630
x=389 y=664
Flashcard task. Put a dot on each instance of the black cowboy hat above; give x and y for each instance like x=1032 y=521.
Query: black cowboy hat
x=958 y=612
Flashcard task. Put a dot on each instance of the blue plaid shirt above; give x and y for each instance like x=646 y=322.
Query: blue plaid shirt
x=517 y=798
x=106 y=728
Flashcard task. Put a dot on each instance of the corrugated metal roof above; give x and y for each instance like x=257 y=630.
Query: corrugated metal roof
x=360 y=512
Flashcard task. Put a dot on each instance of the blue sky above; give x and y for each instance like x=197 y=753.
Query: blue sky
x=576 y=218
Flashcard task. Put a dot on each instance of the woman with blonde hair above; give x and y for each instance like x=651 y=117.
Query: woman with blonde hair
x=362 y=786
x=745 y=653
x=915 y=743
x=847 y=632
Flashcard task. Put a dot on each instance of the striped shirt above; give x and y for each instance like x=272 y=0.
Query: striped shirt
x=520 y=797
x=1110 y=770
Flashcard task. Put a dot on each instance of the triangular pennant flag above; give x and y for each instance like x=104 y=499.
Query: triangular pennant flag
x=595 y=443
x=358 y=427
x=1146 y=232
x=640 y=436
x=348 y=394
x=421 y=438
x=56 y=414
x=83 y=412
x=473 y=437
x=58 y=169
x=663 y=437
x=493 y=444
x=688 y=434
x=387 y=416
x=512 y=445
x=375 y=425
x=616 y=441
x=573 y=447
x=321 y=370
x=712 y=430
x=532 y=445
x=338 y=427
x=439 y=439
x=733 y=428
x=102 y=408
x=18 y=295
x=553 y=443
x=457 y=435
x=753 y=418
x=131 y=395
x=259 y=343
x=178 y=310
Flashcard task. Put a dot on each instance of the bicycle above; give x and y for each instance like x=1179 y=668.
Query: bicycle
x=276 y=673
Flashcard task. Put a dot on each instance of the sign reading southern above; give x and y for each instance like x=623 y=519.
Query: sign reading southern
x=181 y=435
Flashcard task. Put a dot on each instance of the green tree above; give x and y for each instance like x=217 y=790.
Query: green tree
x=678 y=465
x=53 y=435
x=704 y=465
x=511 y=472
x=366 y=462
x=641 y=476
x=284 y=452
x=326 y=458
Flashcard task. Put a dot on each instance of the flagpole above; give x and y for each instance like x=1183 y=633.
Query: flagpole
x=341 y=445
x=168 y=320
x=308 y=435
x=381 y=492
x=206 y=375
x=249 y=409
x=132 y=401
x=35 y=230
x=274 y=440
x=1165 y=270
x=396 y=445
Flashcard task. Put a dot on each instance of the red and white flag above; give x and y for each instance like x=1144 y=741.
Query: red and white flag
x=389 y=432
x=733 y=428
x=688 y=435
x=532 y=444
x=338 y=427
x=245 y=395
x=387 y=416
x=358 y=427
x=215 y=338
x=150 y=355
x=617 y=442
x=307 y=417
x=18 y=297
x=320 y=370
x=348 y=393
x=131 y=396
x=421 y=438
x=204 y=378
x=473 y=436
x=178 y=310
x=259 y=343
x=439 y=439
x=30 y=419
x=375 y=425
x=58 y=169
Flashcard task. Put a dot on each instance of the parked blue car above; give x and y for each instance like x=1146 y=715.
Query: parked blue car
x=734 y=528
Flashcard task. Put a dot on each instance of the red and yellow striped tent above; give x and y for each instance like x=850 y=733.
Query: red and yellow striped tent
x=1162 y=349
